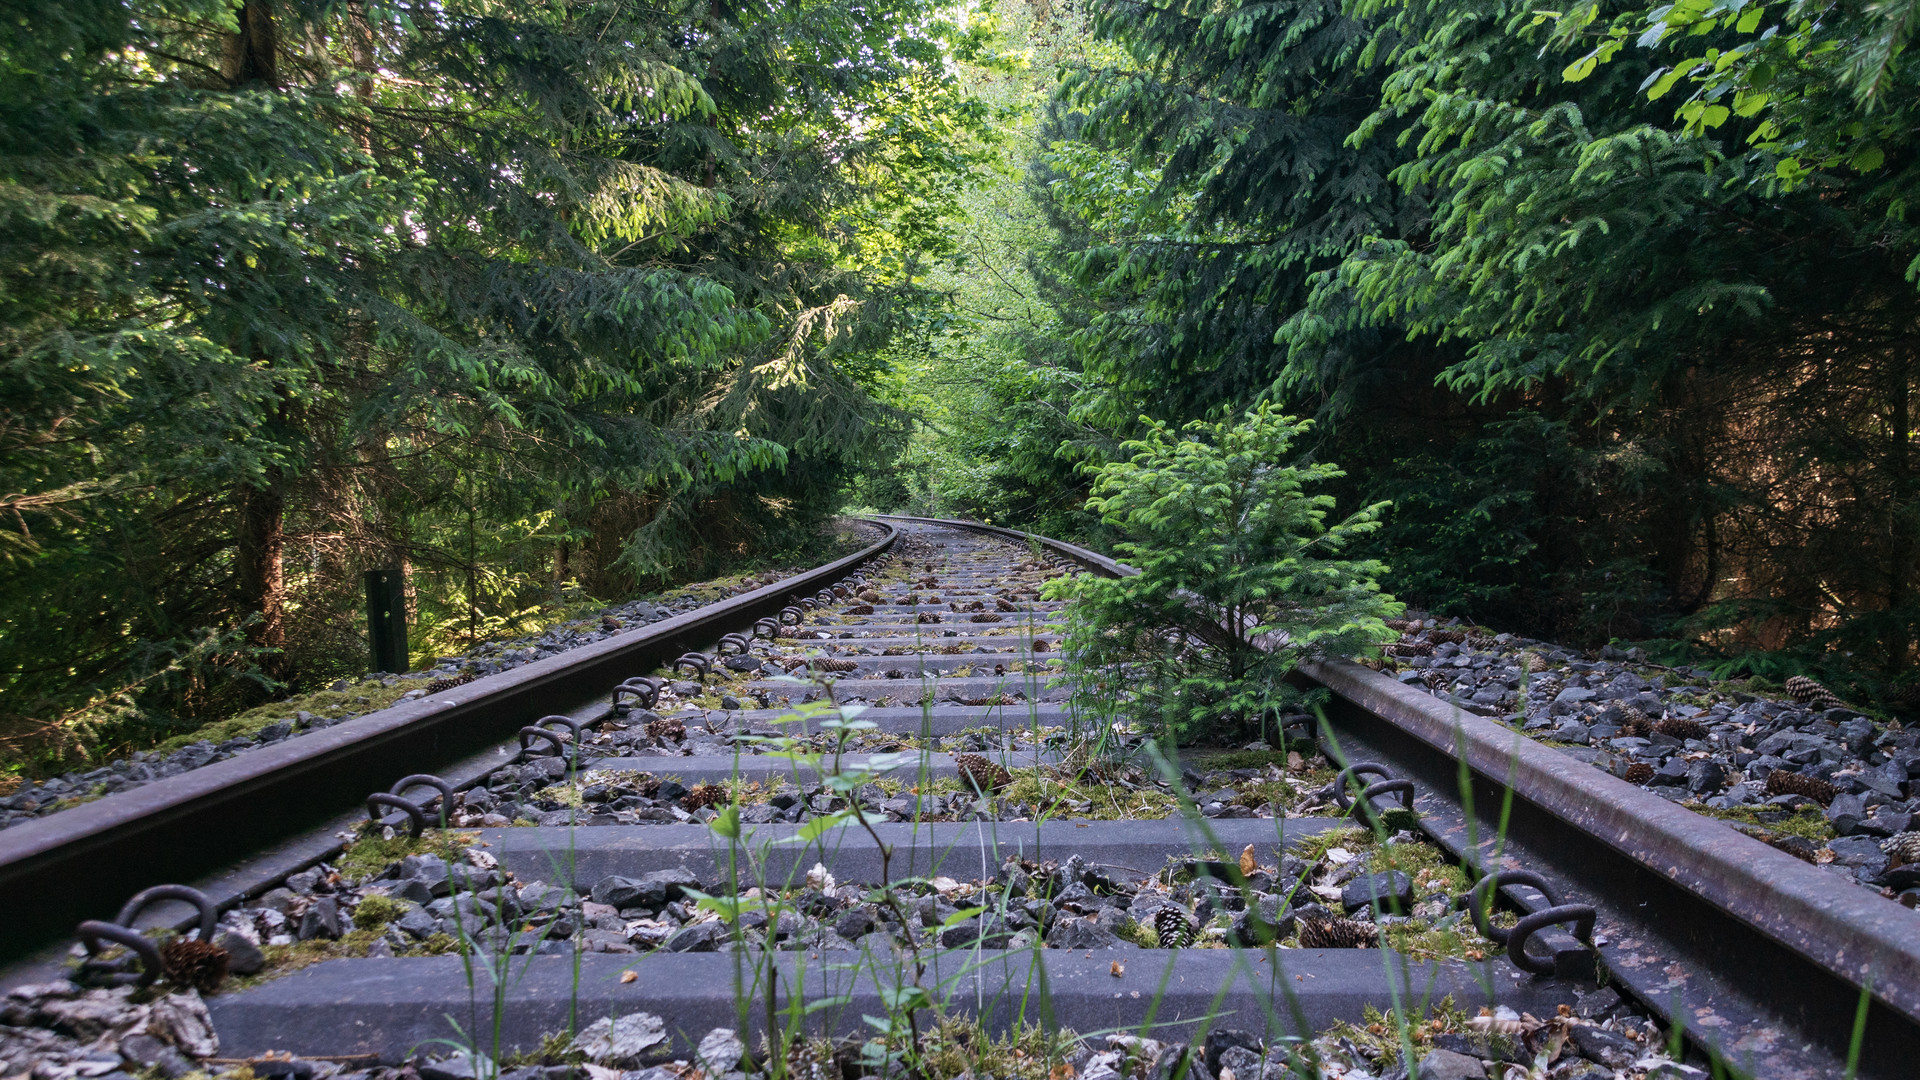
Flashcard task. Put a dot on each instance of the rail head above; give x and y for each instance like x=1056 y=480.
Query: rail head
x=1086 y=556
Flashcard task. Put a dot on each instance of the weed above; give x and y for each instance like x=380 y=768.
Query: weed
x=1382 y=1033
x=957 y=1047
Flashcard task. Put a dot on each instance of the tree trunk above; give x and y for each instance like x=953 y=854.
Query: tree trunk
x=250 y=59
x=251 y=56
x=260 y=571
x=360 y=53
x=1898 y=639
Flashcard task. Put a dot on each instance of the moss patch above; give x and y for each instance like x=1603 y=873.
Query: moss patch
x=364 y=698
x=374 y=912
x=1201 y=760
x=1809 y=822
x=286 y=959
x=369 y=855
x=1049 y=793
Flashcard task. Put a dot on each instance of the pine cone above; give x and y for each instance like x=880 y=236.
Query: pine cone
x=1904 y=848
x=609 y=623
x=1447 y=637
x=1812 y=693
x=667 y=728
x=201 y=965
x=1638 y=773
x=983 y=774
x=1410 y=648
x=441 y=686
x=927 y=617
x=1546 y=687
x=1636 y=725
x=1402 y=625
x=869 y=596
x=1174 y=927
x=860 y=609
x=986 y=617
x=1788 y=782
x=1682 y=728
x=1337 y=933
x=1536 y=663
x=832 y=664
x=704 y=795
x=1041 y=644
x=1481 y=641
x=1005 y=606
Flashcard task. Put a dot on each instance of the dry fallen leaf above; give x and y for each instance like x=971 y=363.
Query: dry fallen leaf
x=629 y=976
x=1117 y=969
x=1247 y=862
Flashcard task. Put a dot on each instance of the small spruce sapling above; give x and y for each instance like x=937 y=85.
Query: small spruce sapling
x=1240 y=575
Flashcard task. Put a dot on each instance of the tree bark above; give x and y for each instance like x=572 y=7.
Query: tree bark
x=260 y=570
x=251 y=59
x=1898 y=639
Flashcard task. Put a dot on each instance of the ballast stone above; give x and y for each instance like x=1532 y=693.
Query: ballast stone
x=621 y=1043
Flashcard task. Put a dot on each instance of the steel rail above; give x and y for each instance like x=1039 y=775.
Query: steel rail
x=1724 y=901
x=80 y=863
x=1849 y=931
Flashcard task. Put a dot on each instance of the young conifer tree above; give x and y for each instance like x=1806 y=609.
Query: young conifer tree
x=1240 y=574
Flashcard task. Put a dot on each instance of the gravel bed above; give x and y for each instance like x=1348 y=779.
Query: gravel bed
x=60 y=1030
x=455 y=896
x=1807 y=773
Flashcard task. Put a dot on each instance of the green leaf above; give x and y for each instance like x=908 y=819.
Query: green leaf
x=1581 y=68
x=819 y=826
x=960 y=916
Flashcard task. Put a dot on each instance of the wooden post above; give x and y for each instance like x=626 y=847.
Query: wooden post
x=387 y=619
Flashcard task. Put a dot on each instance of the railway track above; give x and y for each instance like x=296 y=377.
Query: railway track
x=569 y=890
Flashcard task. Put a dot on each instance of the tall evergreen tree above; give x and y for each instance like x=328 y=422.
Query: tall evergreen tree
x=285 y=276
